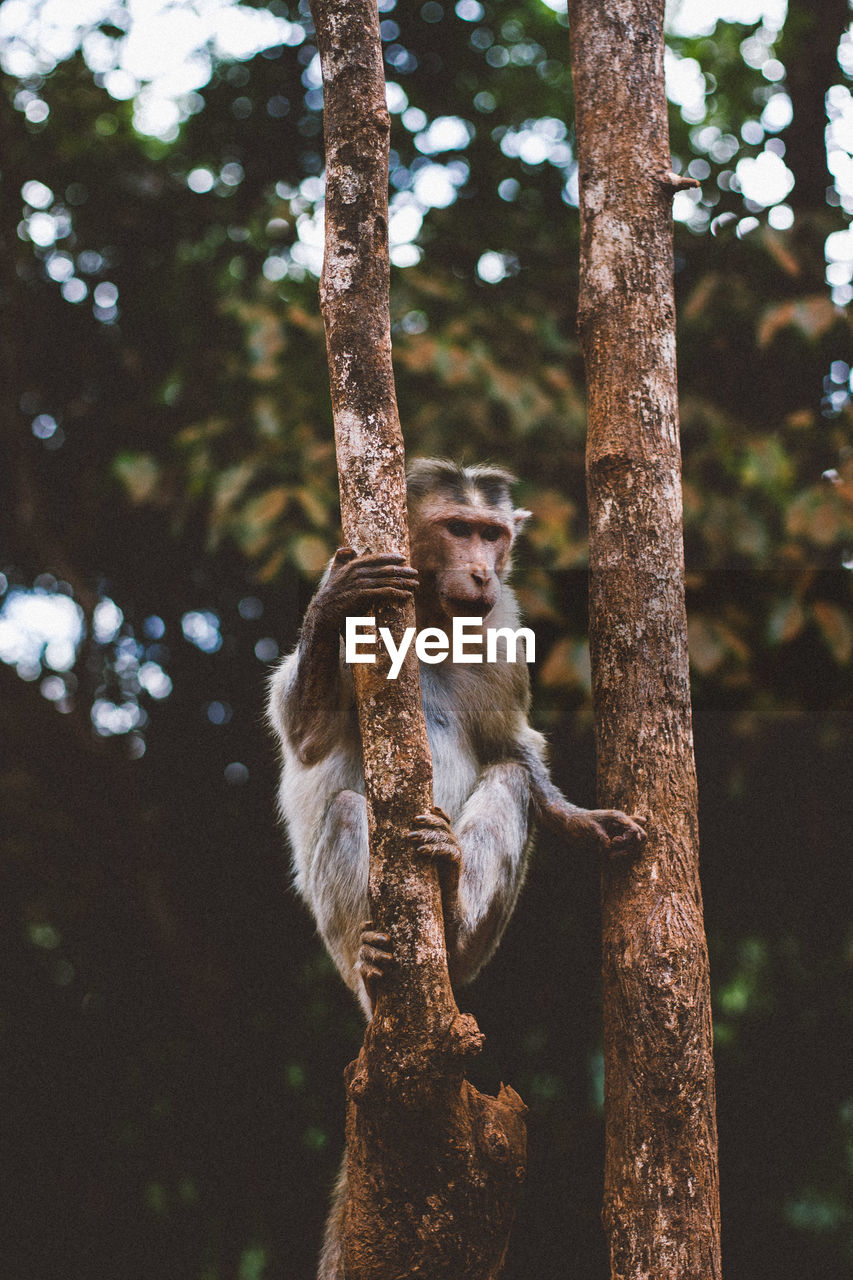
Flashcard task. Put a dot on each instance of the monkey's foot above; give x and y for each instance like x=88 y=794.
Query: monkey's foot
x=432 y=836
x=374 y=957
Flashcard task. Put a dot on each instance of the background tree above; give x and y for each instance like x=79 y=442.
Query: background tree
x=661 y=1208
x=171 y=1026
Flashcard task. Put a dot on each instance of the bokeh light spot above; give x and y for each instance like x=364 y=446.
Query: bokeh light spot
x=201 y=628
x=266 y=650
x=218 y=712
x=37 y=194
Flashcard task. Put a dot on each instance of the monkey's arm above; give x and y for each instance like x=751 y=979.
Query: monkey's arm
x=313 y=701
x=600 y=830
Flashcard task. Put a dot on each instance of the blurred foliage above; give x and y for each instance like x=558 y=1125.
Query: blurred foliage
x=173 y=1035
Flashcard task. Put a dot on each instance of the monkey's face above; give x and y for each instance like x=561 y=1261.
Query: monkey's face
x=462 y=555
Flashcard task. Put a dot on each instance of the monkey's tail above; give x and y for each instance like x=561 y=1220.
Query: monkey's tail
x=331 y=1265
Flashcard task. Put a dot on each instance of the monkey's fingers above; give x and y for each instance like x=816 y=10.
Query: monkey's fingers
x=383 y=564
x=369 y=560
x=624 y=841
x=632 y=835
x=617 y=823
x=375 y=954
x=435 y=819
x=373 y=577
x=376 y=937
x=433 y=835
x=598 y=838
x=441 y=848
x=627 y=827
x=343 y=555
x=433 y=840
x=371 y=939
x=628 y=843
x=401 y=577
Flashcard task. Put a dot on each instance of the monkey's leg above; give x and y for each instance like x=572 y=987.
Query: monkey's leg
x=337 y=890
x=494 y=832
x=336 y=884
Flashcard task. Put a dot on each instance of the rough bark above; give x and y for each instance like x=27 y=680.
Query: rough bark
x=433 y=1166
x=661 y=1205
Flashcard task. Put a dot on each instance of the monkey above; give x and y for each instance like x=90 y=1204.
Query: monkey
x=490 y=777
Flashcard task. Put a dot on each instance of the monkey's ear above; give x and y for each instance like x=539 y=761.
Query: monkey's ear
x=520 y=518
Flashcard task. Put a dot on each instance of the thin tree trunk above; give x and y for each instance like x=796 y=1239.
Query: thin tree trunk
x=433 y=1166
x=661 y=1205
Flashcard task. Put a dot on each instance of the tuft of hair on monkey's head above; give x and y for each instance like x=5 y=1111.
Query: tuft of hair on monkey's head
x=470 y=486
x=474 y=485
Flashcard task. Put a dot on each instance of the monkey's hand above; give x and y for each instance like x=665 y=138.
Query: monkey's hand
x=432 y=837
x=599 y=830
x=622 y=834
x=374 y=957
x=356 y=582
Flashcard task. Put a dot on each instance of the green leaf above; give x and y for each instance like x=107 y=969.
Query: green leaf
x=140 y=475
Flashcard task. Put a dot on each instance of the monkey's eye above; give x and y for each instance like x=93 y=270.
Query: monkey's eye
x=491 y=533
x=459 y=528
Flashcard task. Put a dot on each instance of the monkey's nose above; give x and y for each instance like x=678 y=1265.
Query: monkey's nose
x=480 y=575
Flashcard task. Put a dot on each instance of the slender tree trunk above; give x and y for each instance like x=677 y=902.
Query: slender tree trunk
x=661 y=1207
x=433 y=1166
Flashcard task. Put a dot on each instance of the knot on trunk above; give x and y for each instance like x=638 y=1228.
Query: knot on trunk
x=356 y=1078
x=464 y=1038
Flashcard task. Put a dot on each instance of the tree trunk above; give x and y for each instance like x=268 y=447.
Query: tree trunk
x=661 y=1207
x=433 y=1166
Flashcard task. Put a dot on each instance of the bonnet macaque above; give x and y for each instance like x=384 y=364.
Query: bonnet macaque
x=490 y=779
